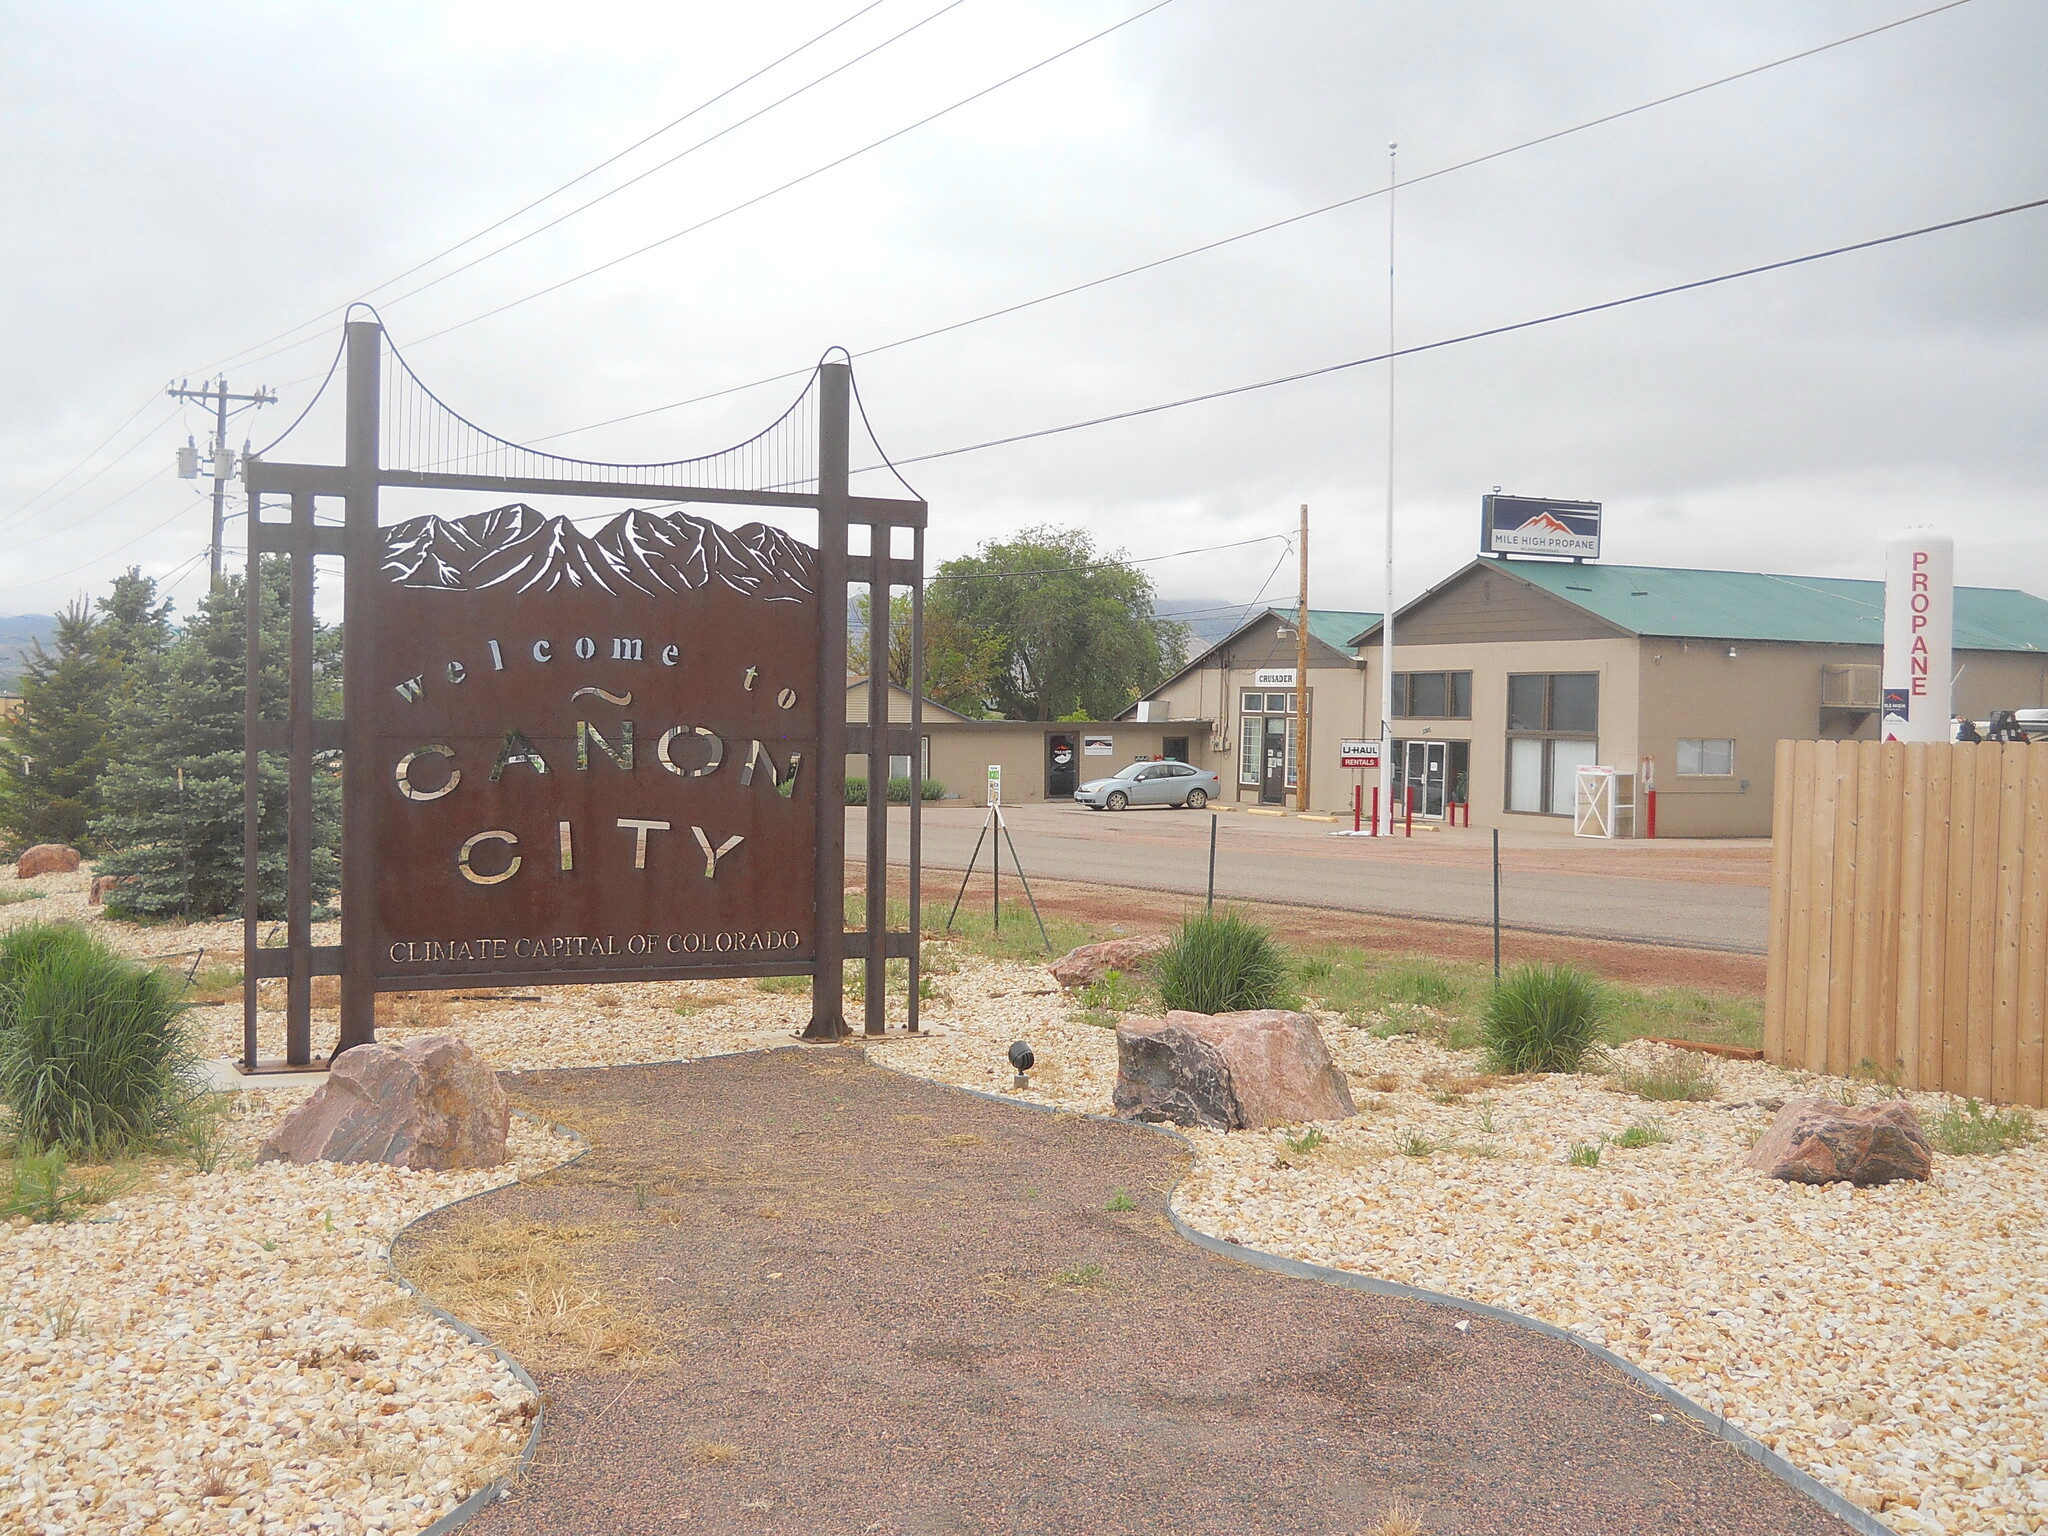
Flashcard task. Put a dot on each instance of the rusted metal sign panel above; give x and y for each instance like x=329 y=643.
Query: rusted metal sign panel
x=598 y=752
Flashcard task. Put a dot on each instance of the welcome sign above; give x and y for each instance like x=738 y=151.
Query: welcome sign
x=597 y=752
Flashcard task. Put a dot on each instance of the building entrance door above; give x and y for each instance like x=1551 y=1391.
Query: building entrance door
x=1062 y=766
x=1273 y=772
x=1424 y=764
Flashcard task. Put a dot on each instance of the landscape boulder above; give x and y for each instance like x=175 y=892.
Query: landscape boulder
x=101 y=884
x=1087 y=965
x=1817 y=1141
x=1228 y=1071
x=46 y=859
x=429 y=1103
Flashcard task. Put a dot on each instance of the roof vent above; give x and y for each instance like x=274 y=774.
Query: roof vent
x=1570 y=588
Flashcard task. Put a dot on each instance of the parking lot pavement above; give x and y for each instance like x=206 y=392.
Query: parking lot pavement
x=1701 y=894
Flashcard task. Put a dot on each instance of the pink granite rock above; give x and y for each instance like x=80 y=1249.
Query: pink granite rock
x=1228 y=1071
x=1091 y=962
x=101 y=884
x=1817 y=1141
x=46 y=859
x=429 y=1103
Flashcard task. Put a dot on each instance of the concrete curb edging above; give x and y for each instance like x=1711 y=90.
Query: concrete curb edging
x=1755 y=1450
x=498 y=1487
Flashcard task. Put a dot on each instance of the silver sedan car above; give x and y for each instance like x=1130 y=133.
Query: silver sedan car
x=1164 y=783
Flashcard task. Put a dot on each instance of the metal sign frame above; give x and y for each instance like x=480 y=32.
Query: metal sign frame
x=1537 y=525
x=358 y=483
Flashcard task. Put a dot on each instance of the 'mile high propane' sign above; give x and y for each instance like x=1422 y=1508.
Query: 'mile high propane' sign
x=598 y=751
x=1919 y=636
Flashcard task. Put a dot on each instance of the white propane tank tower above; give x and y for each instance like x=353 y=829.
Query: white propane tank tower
x=1919 y=636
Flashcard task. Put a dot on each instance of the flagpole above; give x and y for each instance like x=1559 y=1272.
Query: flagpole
x=1387 y=607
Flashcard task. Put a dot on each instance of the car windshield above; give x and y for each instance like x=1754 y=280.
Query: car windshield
x=1133 y=771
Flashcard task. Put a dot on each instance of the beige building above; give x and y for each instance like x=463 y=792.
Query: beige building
x=1512 y=675
x=1040 y=760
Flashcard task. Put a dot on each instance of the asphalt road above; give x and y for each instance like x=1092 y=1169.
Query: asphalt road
x=1700 y=895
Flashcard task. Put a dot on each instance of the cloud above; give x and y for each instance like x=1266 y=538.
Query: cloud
x=194 y=180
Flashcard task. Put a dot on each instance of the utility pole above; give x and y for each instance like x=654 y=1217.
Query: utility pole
x=1387 y=618
x=1301 y=677
x=223 y=459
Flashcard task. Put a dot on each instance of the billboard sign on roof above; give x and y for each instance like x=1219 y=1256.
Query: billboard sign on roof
x=1531 y=525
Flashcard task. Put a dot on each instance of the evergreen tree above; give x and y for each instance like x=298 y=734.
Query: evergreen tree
x=133 y=625
x=56 y=748
x=172 y=795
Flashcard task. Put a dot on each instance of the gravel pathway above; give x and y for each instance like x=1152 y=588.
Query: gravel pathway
x=887 y=1308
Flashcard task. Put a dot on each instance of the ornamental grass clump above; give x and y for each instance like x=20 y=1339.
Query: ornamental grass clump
x=92 y=1058
x=1222 y=962
x=1542 y=1018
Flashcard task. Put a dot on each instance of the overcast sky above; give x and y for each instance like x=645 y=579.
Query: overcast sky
x=184 y=181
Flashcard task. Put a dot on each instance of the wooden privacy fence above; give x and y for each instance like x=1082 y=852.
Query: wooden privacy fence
x=1909 y=915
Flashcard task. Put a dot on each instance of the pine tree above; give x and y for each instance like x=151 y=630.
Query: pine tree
x=172 y=795
x=133 y=625
x=56 y=748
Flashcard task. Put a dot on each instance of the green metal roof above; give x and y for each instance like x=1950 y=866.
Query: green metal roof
x=1746 y=605
x=1333 y=626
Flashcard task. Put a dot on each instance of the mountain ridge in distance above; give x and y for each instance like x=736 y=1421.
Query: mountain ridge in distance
x=516 y=547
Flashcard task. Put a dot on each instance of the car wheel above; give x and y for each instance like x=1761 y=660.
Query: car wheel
x=1118 y=800
x=1197 y=798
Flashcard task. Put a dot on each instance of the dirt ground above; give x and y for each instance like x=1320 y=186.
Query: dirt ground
x=1115 y=907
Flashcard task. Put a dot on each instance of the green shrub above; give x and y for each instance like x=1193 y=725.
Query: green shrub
x=1222 y=962
x=1542 y=1018
x=28 y=945
x=41 y=1188
x=1643 y=1134
x=1415 y=1144
x=1111 y=993
x=856 y=791
x=94 y=1060
x=1971 y=1130
x=1675 y=1077
x=1584 y=1154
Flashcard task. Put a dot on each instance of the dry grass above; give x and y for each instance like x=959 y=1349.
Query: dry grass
x=1397 y=1520
x=1383 y=1082
x=1450 y=1087
x=1672 y=1077
x=532 y=1286
x=715 y=1453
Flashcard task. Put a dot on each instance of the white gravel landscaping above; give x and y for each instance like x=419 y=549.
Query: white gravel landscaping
x=1889 y=1340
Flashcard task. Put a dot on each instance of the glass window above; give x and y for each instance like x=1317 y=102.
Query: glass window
x=1526 y=700
x=1253 y=703
x=1461 y=695
x=1706 y=756
x=1568 y=754
x=1525 y=773
x=1574 y=702
x=1429 y=694
x=1249 y=727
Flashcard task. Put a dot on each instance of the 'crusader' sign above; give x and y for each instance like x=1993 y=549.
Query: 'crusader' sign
x=597 y=752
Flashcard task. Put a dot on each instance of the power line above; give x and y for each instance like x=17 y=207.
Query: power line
x=1268 y=228
x=88 y=458
x=18 y=513
x=1104 y=565
x=580 y=176
x=117 y=549
x=1452 y=341
x=672 y=159
x=798 y=181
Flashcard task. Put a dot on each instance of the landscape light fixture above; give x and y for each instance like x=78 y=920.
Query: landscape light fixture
x=1023 y=1059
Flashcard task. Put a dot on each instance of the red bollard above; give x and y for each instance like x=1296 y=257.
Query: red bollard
x=1411 y=810
x=1651 y=797
x=1375 y=810
x=1357 y=806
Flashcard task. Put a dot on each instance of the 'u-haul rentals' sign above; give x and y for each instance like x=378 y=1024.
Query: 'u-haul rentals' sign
x=1358 y=754
x=1530 y=525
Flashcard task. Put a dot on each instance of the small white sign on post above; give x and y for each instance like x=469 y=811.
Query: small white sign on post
x=1358 y=754
x=995 y=784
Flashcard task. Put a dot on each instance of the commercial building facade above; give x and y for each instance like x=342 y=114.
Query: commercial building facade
x=1513 y=674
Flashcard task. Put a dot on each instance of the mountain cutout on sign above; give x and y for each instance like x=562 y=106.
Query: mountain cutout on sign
x=649 y=552
x=1544 y=522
